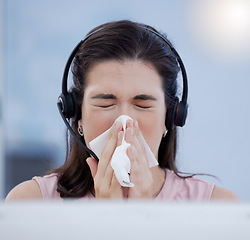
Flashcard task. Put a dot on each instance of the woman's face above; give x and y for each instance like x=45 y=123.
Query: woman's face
x=132 y=88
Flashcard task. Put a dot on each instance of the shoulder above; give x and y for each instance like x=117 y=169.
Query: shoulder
x=25 y=190
x=220 y=193
x=182 y=188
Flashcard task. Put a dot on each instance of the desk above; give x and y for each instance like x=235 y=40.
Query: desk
x=124 y=220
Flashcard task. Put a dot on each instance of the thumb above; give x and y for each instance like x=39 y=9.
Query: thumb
x=93 y=165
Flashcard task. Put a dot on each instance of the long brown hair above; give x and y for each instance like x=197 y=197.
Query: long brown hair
x=120 y=40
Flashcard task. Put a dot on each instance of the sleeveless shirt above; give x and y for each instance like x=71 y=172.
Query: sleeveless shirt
x=174 y=188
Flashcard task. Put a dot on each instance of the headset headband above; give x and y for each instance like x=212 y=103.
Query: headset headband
x=175 y=117
x=75 y=50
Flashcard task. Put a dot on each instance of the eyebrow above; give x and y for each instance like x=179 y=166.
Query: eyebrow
x=144 y=97
x=104 y=96
x=112 y=96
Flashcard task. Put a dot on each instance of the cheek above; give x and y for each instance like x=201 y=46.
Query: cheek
x=95 y=124
x=152 y=131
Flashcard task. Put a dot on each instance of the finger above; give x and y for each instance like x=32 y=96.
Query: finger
x=109 y=170
x=110 y=183
x=115 y=183
x=132 y=153
x=137 y=141
x=107 y=178
x=109 y=147
x=129 y=134
x=136 y=166
x=93 y=165
x=135 y=146
x=129 y=123
x=138 y=135
x=140 y=151
x=120 y=137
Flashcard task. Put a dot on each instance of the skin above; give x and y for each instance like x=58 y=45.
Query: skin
x=114 y=88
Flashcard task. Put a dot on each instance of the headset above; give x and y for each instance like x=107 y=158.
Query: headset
x=175 y=116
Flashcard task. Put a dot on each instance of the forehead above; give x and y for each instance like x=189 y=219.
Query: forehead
x=124 y=75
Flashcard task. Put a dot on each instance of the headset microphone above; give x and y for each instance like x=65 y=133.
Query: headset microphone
x=60 y=108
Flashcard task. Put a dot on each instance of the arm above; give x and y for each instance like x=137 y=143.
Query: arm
x=26 y=190
x=223 y=194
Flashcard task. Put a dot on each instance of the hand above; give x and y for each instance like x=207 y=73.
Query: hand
x=105 y=182
x=140 y=173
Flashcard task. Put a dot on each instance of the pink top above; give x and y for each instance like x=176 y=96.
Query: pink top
x=174 y=188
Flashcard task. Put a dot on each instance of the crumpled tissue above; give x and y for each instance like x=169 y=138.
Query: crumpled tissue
x=120 y=162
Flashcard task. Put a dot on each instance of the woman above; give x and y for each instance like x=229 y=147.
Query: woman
x=122 y=68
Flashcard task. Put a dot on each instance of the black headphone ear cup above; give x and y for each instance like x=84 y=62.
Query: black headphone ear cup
x=181 y=114
x=170 y=116
x=67 y=105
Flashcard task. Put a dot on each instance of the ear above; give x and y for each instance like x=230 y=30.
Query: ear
x=80 y=122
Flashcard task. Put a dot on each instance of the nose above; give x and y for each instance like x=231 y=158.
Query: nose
x=126 y=109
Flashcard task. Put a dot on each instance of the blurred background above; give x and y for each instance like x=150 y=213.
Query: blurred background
x=212 y=37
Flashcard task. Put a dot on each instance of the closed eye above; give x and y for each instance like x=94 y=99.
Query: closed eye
x=143 y=101
x=106 y=106
x=143 y=107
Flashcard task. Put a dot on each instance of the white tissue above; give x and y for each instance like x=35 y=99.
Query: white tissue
x=120 y=162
